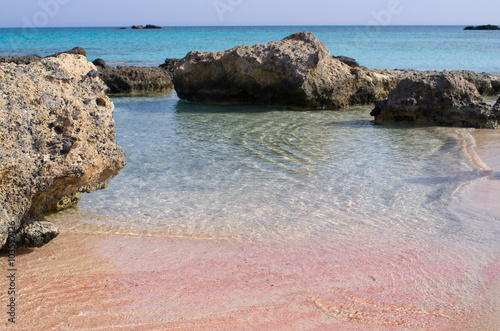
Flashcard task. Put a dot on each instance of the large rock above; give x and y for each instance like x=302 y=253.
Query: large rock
x=446 y=99
x=297 y=71
x=57 y=138
x=134 y=79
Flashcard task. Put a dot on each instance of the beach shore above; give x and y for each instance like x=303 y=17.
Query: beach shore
x=92 y=278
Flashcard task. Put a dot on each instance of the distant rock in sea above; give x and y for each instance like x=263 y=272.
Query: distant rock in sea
x=58 y=139
x=445 y=99
x=149 y=26
x=483 y=27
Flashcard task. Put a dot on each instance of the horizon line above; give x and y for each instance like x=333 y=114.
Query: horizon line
x=234 y=26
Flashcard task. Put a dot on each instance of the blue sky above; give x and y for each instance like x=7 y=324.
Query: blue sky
x=58 y=13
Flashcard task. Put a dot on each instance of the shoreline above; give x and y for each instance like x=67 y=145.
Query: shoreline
x=95 y=278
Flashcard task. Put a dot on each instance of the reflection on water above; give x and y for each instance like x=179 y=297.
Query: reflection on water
x=254 y=171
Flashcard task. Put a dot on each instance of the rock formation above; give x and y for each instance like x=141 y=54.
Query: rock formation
x=446 y=99
x=57 y=138
x=297 y=71
x=148 y=26
x=134 y=79
x=483 y=27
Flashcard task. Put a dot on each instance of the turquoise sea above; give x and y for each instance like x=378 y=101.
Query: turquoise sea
x=393 y=47
x=332 y=180
x=246 y=170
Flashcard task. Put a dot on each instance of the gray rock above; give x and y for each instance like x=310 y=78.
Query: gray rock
x=36 y=233
x=136 y=79
x=74 y=51
x=446 y=99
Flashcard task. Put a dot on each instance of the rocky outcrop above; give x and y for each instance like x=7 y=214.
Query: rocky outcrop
x=58 y=138
x=148 y=26
x=446 y=99
x=483 y=27
x=134 y=79
x=297 y=71
x=75 y=51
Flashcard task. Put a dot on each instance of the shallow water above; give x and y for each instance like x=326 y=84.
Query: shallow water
x=246 y=171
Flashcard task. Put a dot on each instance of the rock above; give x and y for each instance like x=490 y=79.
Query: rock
x=297 y=71
x=485 y=84
x=36 y=233
x=74 y=51
x=66 y=202
x=148 y=26
x=135 y=79
x=483 y=27
x=58 y=138
x=27 y=59
x=348 y=60
x=20 y=59
x=100 y=63
x=169 y=65
x=446 y=99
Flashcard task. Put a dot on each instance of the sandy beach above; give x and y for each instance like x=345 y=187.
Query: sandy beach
x=91 y=278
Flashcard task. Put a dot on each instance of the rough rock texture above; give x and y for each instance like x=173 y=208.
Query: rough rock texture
x=446 y=99
x=20 y=59
x=134 y=79
x=75 y=51
x=297 y=71
x=57 y=138
x=66 y=202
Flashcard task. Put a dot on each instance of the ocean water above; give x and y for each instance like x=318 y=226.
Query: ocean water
x=393 y=47
x=244 y=170
x=329 y=200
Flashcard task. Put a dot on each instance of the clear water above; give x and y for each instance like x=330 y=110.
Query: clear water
x=259 y=172
x=245 y=170
x=402 y=47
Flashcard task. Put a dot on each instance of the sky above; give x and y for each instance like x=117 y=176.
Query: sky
x=77 y=13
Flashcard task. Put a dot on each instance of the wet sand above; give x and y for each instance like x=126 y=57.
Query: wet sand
x=95 y=279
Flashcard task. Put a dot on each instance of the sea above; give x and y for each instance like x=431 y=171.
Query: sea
x=325 y=178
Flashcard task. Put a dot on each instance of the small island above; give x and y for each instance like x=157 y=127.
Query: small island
x=483 y=27
x=148 y=26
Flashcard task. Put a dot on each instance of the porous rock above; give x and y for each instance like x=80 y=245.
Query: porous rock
x=445 y=99
x=57 y=138
x=134 y=79
x=297 y=71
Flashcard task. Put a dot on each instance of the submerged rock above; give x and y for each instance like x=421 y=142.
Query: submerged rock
x=58 y=138
x=66 y=202
x=297 y=71
x=134 y=79
x=446 y=99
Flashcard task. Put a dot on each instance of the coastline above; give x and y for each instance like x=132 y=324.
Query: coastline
x=98 y=277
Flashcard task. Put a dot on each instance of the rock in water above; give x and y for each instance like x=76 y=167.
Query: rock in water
x=446 y=99
x=134 y=79
x=297 y=71
x=57 y=138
